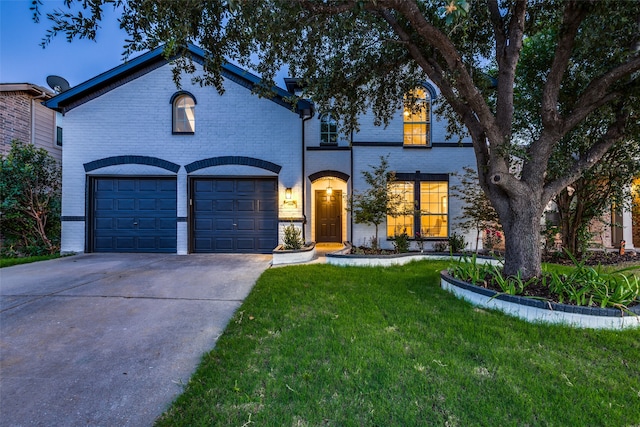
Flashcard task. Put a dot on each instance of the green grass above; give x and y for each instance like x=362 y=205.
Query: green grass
x=320 y=345
x=8 y=262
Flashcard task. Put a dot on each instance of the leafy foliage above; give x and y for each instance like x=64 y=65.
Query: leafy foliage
x=292 y=238
x=360 y=57
x=372 y=205
x=30 y=183
x=477 y=212
x=582 y=285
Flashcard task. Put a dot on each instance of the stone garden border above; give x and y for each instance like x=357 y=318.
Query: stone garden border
x=528 y=309
x=295 y=256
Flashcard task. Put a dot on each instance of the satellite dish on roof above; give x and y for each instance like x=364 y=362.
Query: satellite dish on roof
x=58 y=84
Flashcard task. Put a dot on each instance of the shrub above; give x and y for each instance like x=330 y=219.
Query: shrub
x=401 y=242
x=30 y=195
x=292 y=237
x=457 y=243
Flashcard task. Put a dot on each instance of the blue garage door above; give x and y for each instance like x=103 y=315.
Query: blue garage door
x=134 y=215
x=234 y=215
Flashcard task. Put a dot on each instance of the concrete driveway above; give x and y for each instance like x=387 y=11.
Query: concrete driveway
x=111 y=339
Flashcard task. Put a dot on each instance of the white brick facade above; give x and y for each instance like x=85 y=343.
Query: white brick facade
x=134 y=119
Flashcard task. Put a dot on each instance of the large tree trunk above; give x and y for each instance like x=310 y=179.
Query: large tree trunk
x=521 y=225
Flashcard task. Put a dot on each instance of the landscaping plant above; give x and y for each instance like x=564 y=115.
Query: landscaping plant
x=30 y=196
x=292 y=238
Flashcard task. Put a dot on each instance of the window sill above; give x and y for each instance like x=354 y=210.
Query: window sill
x=183 y=133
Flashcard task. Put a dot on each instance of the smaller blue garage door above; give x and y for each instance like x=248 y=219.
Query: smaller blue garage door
x=234 y=215
x=134 y=215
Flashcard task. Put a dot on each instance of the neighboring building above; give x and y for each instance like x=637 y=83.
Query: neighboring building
x=24 y=117
x=148 y=167
x=620 y=225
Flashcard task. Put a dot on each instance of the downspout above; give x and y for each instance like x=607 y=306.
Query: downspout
x=351 y=191
x=304 y=175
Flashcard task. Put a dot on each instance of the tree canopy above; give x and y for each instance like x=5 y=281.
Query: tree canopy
x=362 y=56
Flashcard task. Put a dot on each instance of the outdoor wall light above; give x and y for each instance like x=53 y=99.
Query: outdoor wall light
x=329 y=189
x=288 y=198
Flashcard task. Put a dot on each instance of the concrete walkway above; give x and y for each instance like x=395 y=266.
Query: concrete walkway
x=111 y=339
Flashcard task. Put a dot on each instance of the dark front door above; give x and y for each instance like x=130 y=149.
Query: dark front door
x=328 y=216
x=234 y=215
x=133 y=215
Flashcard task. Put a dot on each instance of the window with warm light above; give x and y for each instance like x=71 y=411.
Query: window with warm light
x=184 y=114
x=328 y=129
x=403 y=221
x=417 y=118
x=424 y=208
x=434 y=199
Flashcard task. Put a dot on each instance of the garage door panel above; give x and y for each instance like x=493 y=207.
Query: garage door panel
x=246 y=225
x=223 y=206
x=125 y=205
x=124 y=223
x=246 y=186
x=246 y=205
x=223 y=244
x=125 y=184
x=203 y=186
x=239 y=223
x=203 y=224
x=125 y=243
x=224 y=224
x=267 y=224
x=134 y=215
x=226 y=186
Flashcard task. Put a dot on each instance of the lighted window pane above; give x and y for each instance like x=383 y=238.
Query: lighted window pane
x=403 y=219
x=417 y=118
x=184 y=112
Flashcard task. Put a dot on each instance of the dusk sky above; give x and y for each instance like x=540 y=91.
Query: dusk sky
x=23 y=60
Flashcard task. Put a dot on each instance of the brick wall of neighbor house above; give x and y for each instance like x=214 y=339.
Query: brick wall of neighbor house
x=15 y=118
x=23 y=117
x=135 y=119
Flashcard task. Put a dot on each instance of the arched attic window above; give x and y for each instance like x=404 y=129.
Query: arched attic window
x=417 y=117
x=328 y=129
x=183 y=116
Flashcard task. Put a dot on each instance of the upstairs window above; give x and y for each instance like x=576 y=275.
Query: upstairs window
x=417 y=118
x=184 y=113
x=328 y=129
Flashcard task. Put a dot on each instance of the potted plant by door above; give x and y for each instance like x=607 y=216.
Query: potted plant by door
x=293 y=250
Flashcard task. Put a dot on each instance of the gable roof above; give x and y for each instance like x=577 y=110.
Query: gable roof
x=148 y=62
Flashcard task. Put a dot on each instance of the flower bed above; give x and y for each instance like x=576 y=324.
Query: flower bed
x=534 y=310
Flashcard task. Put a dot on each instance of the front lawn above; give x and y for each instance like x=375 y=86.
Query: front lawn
x=8 y=262
x=319 y=345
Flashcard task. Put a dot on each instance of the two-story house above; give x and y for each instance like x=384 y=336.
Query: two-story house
x=148 y=167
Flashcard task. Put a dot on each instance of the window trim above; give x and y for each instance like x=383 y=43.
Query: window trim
x=174 y=99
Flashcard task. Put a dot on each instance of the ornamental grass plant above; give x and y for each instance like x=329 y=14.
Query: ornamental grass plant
x=344 y=346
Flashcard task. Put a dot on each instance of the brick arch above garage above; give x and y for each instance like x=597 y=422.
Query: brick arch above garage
x=138 y=160
x=329 y=174
x=233 y=160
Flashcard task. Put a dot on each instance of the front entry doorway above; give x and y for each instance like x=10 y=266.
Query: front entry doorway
x=328 y=216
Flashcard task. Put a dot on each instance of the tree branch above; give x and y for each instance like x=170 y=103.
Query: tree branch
x=615 y=133
x=574 y=14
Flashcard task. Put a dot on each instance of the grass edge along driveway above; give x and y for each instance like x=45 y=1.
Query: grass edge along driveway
x=323 y=345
